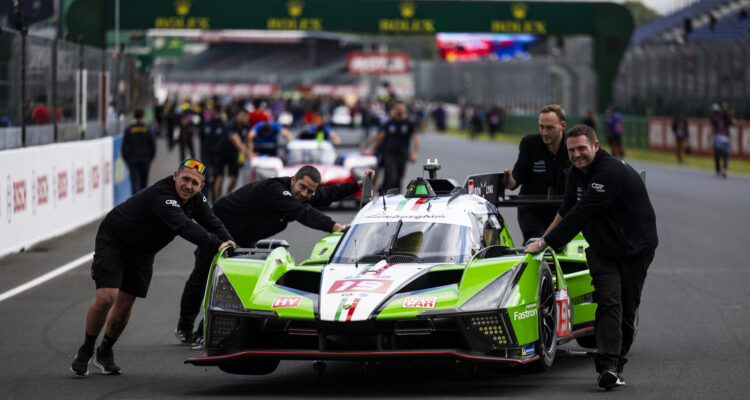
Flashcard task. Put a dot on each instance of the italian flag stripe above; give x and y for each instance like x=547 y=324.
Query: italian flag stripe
x=401 y=204
x=418 y=203
x=340 y=307
x=351 y=309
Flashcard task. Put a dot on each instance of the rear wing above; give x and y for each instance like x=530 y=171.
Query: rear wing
x=491 y=187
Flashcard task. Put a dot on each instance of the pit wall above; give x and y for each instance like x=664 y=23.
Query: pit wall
x=46 y=191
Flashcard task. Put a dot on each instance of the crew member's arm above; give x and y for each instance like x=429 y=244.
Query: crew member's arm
x=250 y=144
x=334 y=138
x=520 y=169
x=415 y=147
x=375 y=141
x=592 y=201
x=168 y=210
x=326 y=194
x=286 y=134
x=281 y=199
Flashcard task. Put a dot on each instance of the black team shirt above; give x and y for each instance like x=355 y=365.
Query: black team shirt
x=261 y=209
x=150 y=219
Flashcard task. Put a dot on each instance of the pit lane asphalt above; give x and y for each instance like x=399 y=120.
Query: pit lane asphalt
x=694 y=313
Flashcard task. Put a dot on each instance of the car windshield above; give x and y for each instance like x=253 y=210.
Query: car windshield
x=406 y=242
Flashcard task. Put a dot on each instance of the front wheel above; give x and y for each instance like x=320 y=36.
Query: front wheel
x=547 y=317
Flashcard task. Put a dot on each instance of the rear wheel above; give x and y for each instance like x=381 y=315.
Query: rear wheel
x=547 y=317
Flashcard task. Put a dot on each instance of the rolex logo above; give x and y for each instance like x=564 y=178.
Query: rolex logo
x=407 y=8
x=295 y=7
x=519 y=10
x=182 y=7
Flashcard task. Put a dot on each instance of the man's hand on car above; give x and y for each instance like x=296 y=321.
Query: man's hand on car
x=338 y=227
x=226 y=244
x=371 y=174
x=510 y=183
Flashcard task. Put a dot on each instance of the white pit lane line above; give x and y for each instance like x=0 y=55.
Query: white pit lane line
x=48 y=276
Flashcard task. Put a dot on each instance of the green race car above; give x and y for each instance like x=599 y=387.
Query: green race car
x=432 y=273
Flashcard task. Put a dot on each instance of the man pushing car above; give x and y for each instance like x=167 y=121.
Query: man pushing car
x=257 y=211
x=128 y=238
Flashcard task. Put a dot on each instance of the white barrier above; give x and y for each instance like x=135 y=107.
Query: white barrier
x=48 y=190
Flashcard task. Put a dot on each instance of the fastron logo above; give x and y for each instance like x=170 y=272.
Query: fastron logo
x=172 y=203
x=524 y=314
x=42 y=189
x=62 y=185
x=19 y=196
x=80 y=181
x=598 y=187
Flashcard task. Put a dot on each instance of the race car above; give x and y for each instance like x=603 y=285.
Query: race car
x=430 y=273
x=349 y=167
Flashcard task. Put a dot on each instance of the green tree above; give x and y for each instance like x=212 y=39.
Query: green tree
x=641 y=12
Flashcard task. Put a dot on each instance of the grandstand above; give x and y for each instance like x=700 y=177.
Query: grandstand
x=702 y=20
x=688 y=60
x=286 y=65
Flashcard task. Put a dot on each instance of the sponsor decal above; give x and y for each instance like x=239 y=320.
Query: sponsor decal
x=19 y=196
x=524 y=314
x=282 y=302
x=599 y=187
x=205 y=200
x=579 y=193
x=527 y=350
x=419 y=302
x=408 y=216
x=540 y=166
x=286 y=193
x=42 y=190
x=62 y=184
x=95 y=177
x=470 y=184
x=107 y=172
x=360 y=286
x=563 y=312
x=80 y=181
x=172 y=203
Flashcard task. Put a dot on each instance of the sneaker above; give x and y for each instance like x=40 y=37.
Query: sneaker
x=81 y=363
x=106 y=362
x=183 y=335
x=608 y=379
x=197 y=338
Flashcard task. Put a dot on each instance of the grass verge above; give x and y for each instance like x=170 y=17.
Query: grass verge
x=736 y=165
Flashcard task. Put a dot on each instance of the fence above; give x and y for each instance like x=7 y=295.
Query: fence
x=660 y=79
x=635 y=133
x=38 y=75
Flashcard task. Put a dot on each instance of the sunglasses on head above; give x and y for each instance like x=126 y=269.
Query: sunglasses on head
x=197 y=165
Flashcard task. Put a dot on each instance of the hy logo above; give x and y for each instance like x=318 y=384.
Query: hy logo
x=598 y=187
x=182 y=7
x=519 y=10
x=295 y=7
x=407 y=8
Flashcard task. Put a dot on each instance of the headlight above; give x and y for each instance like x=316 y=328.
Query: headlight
x=492 y=295
x=264 y=173
x=223 y=295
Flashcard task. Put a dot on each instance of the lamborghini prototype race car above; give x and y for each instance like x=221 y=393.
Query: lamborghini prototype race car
x=432 y=273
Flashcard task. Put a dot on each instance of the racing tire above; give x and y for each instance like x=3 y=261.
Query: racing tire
x=546 y=346
x=259 y=367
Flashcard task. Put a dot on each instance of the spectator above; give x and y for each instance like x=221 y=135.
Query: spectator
x=680 y=130
x=615 y=129
x=138 y=150
x=438 y=114
x=721 y=121
x=494 y=120
x=590 y=119
x=42 y=114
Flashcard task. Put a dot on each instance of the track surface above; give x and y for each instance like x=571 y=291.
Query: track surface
x=694 y=313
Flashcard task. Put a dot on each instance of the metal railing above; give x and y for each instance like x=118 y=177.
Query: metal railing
x=89 y=89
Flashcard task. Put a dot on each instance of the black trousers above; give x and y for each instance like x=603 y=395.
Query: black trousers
x=138 y=174
x=395 y=166
x=195 y=287
x=618 y=283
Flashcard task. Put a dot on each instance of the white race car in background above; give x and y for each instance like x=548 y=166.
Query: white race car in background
x=349 y=167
